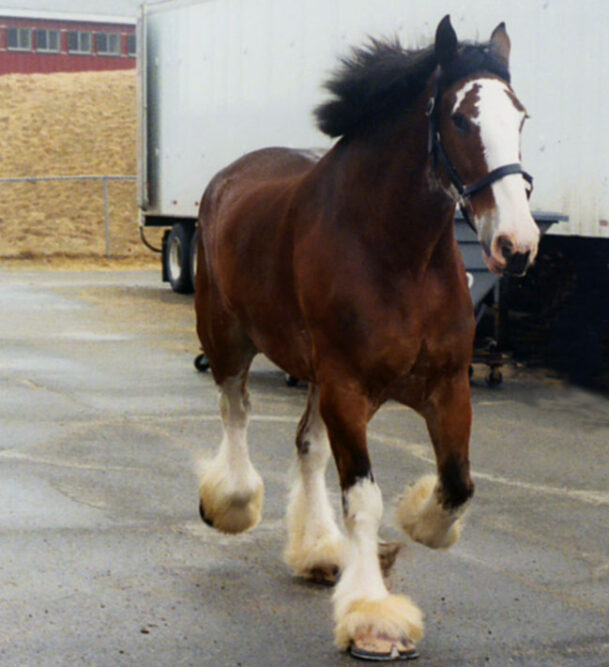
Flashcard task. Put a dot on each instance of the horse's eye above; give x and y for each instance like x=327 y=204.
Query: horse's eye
x=460 y=122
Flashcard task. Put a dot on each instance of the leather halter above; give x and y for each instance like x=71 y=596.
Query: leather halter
x=466 y=192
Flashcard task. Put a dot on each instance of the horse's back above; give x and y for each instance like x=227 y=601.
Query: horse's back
x=253 y=170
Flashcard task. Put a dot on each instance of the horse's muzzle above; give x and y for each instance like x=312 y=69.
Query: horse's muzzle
x=516 y=262
x=505 y=258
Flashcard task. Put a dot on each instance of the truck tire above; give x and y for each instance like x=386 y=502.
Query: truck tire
x=177 y=258
x=194 y=246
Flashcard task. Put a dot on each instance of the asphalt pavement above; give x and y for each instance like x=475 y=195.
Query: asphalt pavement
x=104 y=560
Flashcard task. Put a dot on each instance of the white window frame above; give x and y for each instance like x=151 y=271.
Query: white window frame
x=131 y=37
x=109 y=37
x=48 y=32
x=21 y=34
x=80 y=34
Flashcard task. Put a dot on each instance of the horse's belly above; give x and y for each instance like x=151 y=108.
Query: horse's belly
x=277 y=335
x=268 y=312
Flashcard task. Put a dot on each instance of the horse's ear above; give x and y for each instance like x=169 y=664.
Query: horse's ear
x=500 y=44
x=446 y=41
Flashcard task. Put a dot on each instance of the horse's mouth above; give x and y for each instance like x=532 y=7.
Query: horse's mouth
x=505 y=268
x=495 y=266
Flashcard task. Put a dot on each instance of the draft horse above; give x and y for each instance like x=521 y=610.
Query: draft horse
x=346 y=273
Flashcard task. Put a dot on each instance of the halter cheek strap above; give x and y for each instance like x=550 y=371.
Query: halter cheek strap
x=466 y=192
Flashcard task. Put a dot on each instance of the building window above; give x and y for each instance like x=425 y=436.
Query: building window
x=47 y=40
x=79 y=42
x=108 y=44
x=131 y=45
x=19 y=39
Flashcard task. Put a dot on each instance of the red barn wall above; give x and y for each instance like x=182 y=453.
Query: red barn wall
x=31 y=61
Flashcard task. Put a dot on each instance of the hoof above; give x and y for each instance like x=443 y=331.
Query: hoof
x=324 y=576
x=394 y=618
x=231 y=513
x=320 y=563
x=204 y=518
x=380 y=648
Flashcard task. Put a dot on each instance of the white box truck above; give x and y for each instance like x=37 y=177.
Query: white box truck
x=218 y=78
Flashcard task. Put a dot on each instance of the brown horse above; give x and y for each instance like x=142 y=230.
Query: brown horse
x=345 y=272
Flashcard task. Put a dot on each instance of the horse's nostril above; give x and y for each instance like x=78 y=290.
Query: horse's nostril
x=506 y=246
x=518 y=263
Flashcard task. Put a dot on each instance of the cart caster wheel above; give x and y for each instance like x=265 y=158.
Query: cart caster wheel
x=494 y=377
x=291 y=381
x=201 y=363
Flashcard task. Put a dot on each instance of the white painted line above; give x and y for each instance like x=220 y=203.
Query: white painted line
x=419 y=451
x=13 y=455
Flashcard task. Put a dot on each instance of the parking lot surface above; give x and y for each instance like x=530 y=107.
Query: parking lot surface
x=104 y=560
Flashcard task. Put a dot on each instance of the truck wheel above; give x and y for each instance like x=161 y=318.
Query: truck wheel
x=177 y=258
x=194 y=246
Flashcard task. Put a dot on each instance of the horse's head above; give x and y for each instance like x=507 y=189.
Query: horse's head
x=475 y=126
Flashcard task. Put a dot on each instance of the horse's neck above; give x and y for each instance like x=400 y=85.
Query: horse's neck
x=389 y=178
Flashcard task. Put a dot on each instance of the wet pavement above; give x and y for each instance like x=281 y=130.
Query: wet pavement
x=104 y=561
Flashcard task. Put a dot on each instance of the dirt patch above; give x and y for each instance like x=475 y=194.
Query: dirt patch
x=70 y=124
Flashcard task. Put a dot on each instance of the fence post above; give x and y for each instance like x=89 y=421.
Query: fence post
x=107 y=216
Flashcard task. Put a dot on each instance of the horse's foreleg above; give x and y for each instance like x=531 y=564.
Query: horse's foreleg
x=369 y=620
x=431 y=511
x=231 y=490
x=316 y=546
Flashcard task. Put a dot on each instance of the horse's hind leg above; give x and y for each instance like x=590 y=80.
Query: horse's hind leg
x=316 y=546
x=231 y=490
x=431 y=511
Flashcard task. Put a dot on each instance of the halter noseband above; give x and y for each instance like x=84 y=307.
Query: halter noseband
x=438 y=153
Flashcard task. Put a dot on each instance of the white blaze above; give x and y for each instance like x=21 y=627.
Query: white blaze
x=499 y=122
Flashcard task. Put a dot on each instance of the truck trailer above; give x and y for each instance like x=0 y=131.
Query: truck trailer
x=218 y=78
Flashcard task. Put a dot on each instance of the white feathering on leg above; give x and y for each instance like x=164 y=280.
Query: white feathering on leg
x=231 y=490
x=423 y=518
x=314 y=540
x=362 y=603
x=231 y=495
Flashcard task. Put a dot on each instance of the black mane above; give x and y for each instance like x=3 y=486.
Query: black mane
x=383 y=77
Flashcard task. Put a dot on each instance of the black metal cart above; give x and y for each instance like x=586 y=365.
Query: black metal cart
x=482 y=282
